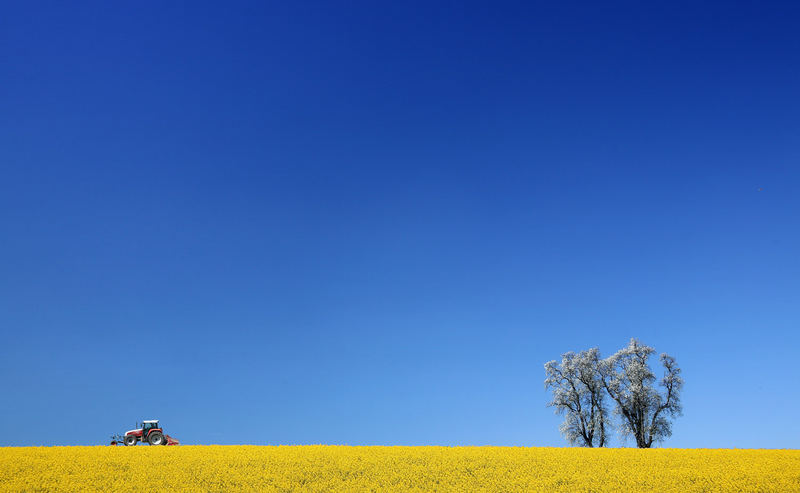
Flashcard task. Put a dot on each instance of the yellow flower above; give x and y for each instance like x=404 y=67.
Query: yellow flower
x=340 y=468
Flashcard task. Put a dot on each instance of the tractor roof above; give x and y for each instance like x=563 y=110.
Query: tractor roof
x=150 y=421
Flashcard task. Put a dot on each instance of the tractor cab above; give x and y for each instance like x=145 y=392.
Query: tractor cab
x=149 y=425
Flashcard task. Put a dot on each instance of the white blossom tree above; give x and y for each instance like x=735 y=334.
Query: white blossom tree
x=578 y=394
x=645 y=411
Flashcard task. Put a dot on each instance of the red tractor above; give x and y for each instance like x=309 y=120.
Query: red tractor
x=150 y=432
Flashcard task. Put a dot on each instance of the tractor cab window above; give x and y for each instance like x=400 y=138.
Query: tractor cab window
x=147 y=426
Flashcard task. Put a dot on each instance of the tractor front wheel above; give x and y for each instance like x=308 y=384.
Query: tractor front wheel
x=130 y=439
x=156 y=438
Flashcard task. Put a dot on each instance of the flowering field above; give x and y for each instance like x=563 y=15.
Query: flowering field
x=342 y=468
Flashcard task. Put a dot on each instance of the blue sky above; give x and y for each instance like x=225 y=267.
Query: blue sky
x=349 y=223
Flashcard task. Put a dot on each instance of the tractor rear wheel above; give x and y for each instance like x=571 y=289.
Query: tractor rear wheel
x=130 y=439
x=156 y=438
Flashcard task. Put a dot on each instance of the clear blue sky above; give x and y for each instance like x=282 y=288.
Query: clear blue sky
x=307 y=222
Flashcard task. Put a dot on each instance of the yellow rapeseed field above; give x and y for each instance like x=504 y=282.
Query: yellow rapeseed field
x=343 y=468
